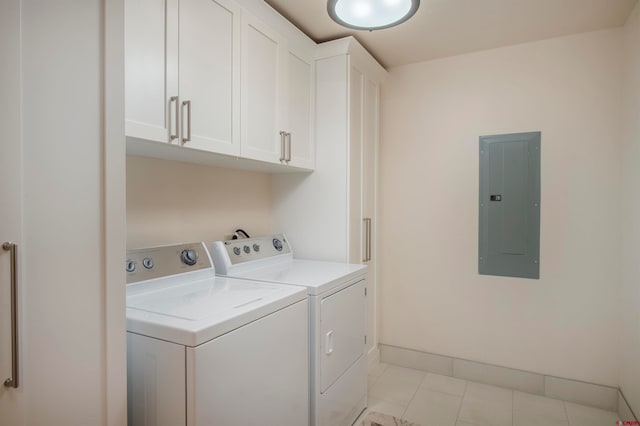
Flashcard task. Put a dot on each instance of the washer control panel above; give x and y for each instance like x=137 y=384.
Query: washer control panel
x=248 y=249
x=156 y=262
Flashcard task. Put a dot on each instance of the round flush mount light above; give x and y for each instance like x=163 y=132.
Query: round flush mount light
x=371 y=14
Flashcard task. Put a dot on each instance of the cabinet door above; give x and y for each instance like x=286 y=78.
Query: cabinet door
x=356 y=235
x=209 y=70
x=261 y=91
x=151 y=68
x=369 y=163
x=342 y=331
x=12 y=401
x=298 y=107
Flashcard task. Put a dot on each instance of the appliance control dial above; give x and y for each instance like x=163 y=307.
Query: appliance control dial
x=247 y=249
x=189 y=257
x=147 y=262
x=130 y=265
x=256 y=247
x=277 y=244
x=237 y=251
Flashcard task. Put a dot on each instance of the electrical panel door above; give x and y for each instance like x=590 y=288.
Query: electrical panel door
x=509 y=223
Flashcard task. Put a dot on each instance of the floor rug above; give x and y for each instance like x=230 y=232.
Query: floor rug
x=378 y=419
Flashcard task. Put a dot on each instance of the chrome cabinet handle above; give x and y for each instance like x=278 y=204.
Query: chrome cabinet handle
x=177 y=118
x=13 y=382
x=187 y=105
x=288 y=136
x=282 y=150
x=173 y=99
x=367 y=238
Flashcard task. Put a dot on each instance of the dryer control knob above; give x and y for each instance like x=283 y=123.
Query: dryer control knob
x=246 y=249
x=256 y=247
x=147 y=262
x=237 y=251
x=277 y=244
x=130 y=266
x=189 y=257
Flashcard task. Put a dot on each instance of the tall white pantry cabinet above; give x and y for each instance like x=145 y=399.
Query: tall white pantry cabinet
x=62 y=208
x=331 y=213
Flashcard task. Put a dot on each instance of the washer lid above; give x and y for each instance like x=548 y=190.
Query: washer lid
x=317 y=276
x=195 y=311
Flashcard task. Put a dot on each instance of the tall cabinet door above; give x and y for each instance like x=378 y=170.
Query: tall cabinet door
x=11 y=400
x=209 y=69
x=261 y=91
x=151 y=69
x=298 y=107
x=369 y=185
x=356 y=235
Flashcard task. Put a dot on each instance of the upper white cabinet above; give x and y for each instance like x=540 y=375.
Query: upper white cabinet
x=209 y=69
x=182 y=66
x=213 y=76
x=277 y=97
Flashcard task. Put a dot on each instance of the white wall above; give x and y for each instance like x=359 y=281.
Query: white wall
x=170 y=202
x=431 y=296
x=629 y=348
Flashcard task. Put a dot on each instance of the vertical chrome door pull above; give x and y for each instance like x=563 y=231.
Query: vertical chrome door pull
x=367 y=239
x=177 y=118
x=187 y=105
x=288 y=136
x=12 y=382
x=282 y=150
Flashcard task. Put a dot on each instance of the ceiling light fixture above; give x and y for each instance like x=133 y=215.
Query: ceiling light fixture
x=371 y=14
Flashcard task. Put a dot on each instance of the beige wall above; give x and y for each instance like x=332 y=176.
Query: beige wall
x=629 y=349
x=431 y=296
x=171 y=202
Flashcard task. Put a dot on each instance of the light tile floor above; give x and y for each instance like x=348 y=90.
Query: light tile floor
x=434 y=400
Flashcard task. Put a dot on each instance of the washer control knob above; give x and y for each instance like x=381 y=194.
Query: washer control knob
x=189 y=257
x=277 y=244
x=246 y=249
x=237 y=251
x=130 y=265
x=147 y=262
x=256 y=247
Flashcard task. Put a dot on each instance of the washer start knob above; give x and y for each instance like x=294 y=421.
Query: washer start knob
x=277 y=244
x=237 y=251
x=189 y=257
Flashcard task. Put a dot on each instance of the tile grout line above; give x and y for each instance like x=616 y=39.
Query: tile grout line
x=566 y=413
x=464 y=392
x=513 y=407
x=412 y=397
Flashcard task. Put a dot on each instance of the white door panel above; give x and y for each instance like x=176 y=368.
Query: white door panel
x=151 y=68
x=11 y=400
x=342 y=332
x=299 y=102
x=209 y=70
x=260 y=91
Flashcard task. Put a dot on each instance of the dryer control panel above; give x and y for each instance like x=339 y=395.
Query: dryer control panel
x=249 y=249
x=157 y=262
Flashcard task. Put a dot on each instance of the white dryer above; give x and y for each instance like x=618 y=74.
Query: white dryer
x=205 y=350
x=337 y=318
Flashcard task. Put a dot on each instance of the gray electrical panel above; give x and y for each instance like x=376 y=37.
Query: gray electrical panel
x=509 y=223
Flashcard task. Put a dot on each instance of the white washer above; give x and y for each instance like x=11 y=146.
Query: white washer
x=205 y=350
x=337 y=318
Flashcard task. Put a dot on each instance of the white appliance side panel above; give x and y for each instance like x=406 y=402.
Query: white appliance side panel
x=156 y=381
x=255 y=375
x=343 y=402
x=342 y=332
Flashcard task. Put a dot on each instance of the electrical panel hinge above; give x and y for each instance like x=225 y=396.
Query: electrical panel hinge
x=365 y=291
x=365 y=340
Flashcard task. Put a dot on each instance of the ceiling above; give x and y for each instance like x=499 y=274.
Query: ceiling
x=443 y=28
